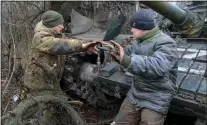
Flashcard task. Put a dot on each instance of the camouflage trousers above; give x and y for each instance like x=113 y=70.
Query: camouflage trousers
x=129 y=114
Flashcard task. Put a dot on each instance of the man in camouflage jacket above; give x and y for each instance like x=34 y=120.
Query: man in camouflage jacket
x=46 y=61
x=152 y=58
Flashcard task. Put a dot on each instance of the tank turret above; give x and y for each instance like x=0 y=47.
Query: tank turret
x=189 y=23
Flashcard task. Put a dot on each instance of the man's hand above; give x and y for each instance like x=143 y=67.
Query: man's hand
x=117 y=55
x=90 y=46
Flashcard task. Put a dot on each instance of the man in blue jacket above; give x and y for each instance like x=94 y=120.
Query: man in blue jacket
x=152 y=58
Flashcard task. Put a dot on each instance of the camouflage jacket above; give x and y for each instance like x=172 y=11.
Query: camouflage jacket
x=153 y=60
x=46 y=58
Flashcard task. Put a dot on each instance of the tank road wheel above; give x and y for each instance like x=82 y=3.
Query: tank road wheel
x=43 y=110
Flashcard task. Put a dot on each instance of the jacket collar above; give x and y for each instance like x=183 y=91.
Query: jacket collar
x=41 y=28
x=149 y=34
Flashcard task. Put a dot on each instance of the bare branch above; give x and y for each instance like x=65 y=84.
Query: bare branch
x=6 y=107
x=8 y=69
x=13 y=65
x=34 y=5
x=75 y=102
x=36 y=17
x=13 y=24
x=5 y=116
x=4 y=43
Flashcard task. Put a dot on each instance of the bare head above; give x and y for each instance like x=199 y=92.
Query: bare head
x=53 y=20
x=141 y=22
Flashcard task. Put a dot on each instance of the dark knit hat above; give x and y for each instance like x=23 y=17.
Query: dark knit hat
x=143 y=20
x=51 y=19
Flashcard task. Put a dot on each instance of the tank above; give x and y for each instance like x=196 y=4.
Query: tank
x=106 y=85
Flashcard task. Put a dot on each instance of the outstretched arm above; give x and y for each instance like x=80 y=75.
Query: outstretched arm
x=61 y=46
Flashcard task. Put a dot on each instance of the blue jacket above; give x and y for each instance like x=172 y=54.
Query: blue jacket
x=153 y=61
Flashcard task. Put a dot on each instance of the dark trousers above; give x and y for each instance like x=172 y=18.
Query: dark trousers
x=129 y=114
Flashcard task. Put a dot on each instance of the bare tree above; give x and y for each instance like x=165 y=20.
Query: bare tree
x=17 y=24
